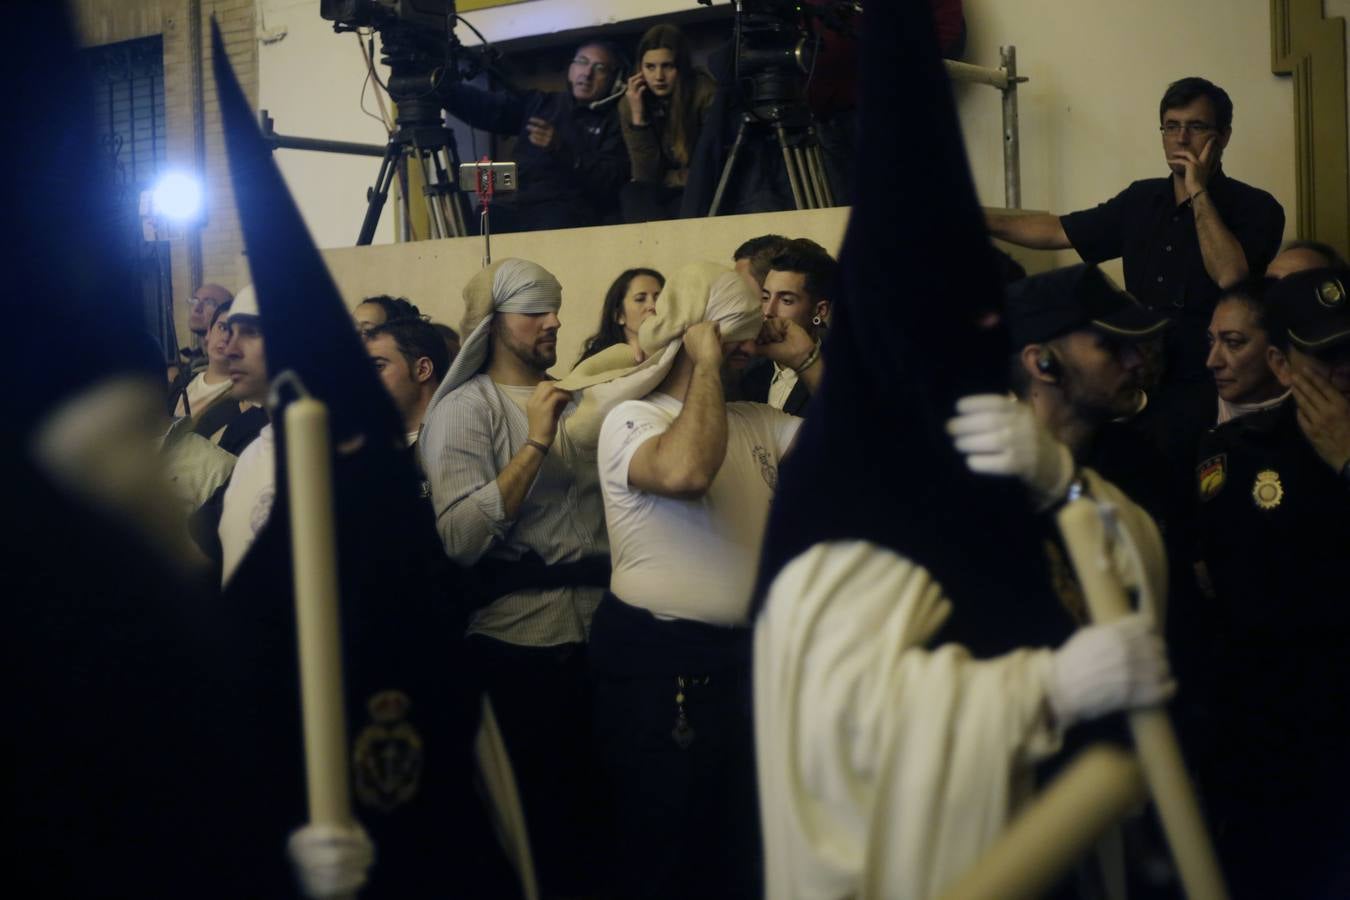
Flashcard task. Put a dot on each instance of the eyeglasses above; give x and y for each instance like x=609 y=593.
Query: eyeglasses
x=198 y=301
x=598 y=68
x=1172 y=129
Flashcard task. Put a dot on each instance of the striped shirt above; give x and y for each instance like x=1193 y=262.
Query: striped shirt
x=467 y=439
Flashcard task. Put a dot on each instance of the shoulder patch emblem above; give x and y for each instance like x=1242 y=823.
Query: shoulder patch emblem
x=387 y=758
x=1210 y=476
x=1331 y=294
x=1267 y=492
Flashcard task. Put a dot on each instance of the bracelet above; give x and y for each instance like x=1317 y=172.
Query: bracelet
x=1198 y=193
x=810 y=359
x=538 y=445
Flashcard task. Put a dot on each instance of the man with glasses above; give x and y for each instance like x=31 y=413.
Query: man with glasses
x=202 y=306
x=570 y=153
x=1183 y=238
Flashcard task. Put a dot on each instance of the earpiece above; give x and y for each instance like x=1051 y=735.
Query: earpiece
x=1048 y=364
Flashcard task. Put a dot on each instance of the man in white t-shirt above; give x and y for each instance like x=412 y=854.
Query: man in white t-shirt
x=687 y=480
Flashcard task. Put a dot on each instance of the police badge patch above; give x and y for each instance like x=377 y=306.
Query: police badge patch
x=1331 y=294
x=387 y=757
x=1267 y=490
x=1210 y=476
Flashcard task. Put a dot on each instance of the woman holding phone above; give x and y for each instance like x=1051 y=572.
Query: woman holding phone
x=661 y=114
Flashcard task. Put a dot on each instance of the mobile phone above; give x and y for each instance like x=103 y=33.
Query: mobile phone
x=474 y=176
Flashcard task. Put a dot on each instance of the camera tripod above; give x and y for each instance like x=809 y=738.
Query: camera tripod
x=434 y=152
x=802 y=160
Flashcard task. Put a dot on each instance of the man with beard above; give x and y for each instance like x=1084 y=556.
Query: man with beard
x=516 y=499
x=571 y=155
x=1077 y=362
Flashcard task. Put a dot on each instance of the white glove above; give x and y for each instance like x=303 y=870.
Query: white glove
x=330 y=860
x=1106 y=668
x=1000 y=436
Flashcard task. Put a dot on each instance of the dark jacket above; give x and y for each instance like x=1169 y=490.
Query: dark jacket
x=655 y=160
x=581 y=173
x=755 y=385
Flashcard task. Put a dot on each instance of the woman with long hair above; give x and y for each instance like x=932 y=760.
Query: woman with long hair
x=629 y=300
x=661 y=114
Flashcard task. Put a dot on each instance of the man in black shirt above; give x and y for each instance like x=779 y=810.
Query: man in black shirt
x=1183 y=238
x=571 y=156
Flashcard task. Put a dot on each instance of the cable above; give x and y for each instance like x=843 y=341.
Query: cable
x=383 y=118
x=365 y=85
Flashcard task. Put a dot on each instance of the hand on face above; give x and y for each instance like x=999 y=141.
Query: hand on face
x=1323 y=417
x=637 y=87
x=1198 y=169
x=785 y=342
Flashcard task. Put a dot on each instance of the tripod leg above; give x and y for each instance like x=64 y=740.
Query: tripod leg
x=809 y=187
x=379 y=193
x=435 y=215
x=460 y=204
x=726 y=169
x=789 y=163
x=446 y=199
x=818 y=168
x=451 y=227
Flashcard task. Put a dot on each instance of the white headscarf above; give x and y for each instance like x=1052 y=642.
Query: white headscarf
x=509 y=285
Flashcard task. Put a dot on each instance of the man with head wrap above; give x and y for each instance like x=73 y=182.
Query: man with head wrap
x=687 y=481
x=516 y=499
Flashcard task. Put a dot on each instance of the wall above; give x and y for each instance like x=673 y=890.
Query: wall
x=217 y=246
x=585 y=260
x=1089 y=114
x=310 y=82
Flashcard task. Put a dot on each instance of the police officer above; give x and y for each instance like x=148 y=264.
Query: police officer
x=1274 y=496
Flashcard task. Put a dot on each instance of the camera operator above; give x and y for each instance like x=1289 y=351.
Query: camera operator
x=571 y=157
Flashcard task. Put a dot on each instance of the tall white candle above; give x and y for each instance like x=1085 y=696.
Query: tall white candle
x=309 y=471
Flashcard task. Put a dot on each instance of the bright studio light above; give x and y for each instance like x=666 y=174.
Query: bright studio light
x=177 y=197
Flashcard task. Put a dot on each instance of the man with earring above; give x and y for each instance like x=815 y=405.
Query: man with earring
x=802 y=282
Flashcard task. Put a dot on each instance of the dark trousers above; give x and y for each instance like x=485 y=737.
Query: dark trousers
x=686 y=811
x=646 y=202
x=542 y=700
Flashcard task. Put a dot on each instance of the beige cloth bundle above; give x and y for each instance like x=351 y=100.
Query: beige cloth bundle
x=698 y=292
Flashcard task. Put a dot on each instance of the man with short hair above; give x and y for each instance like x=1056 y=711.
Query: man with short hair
x=1077 y=364
x=754 y=256
x=802 y=281
x=1274 y=496
x=247 y=500
x=518 y=500
x=1183 y=238
x=571 y=156
x=687 y=481
x=202 y=306
x=411 y=358
x=1299 y=256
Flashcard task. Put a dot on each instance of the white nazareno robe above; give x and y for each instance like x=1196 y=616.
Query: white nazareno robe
x=888 y=765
